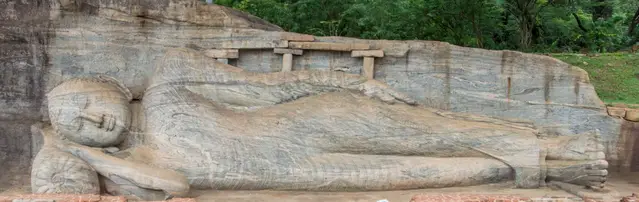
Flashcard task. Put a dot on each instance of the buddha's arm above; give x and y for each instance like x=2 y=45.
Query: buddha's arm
x=255 y=89
x=138 y=174
x=228 y=84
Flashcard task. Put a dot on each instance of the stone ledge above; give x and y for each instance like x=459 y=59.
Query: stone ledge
x=328 y=46
x=288 y=51
x=485 y=198
x=367 y=53
x=74 y=198
x=222 y=53
x=619 y=111
x=289 y=36
x=632 y=115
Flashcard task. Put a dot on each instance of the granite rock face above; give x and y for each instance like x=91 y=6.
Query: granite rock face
x=24 y=34
x=45 y=42
x=550 y=93
x=209 y=125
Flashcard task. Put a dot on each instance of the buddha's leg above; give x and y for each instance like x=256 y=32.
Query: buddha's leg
x=350 y=172
x=343 y=123
x=521 y=153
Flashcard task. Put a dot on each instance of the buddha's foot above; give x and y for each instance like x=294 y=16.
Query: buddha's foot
x=591 y=174
x=587 y=146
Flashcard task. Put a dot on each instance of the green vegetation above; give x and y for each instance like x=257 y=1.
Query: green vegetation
x=546 y=26
x=614 y=75
x=524 y=25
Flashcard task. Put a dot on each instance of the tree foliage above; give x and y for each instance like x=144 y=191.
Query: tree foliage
x=527 y=25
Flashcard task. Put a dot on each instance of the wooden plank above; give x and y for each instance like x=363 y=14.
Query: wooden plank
x=369 y=67
x=222 y=53
x=328 y=46
x=288 y=51
x=367 y=53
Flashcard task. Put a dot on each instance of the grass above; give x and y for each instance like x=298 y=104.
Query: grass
x=614 y=75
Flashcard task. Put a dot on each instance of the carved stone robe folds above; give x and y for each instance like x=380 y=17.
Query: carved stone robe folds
x=325 y=138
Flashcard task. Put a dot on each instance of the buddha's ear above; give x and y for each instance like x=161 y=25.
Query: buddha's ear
x=127 y=93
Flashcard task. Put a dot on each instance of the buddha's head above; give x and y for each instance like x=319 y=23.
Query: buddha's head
x=90 y=111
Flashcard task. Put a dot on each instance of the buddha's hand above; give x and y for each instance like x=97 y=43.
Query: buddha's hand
x=379 y=90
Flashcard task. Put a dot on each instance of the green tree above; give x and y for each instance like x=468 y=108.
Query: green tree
x=525 y=13
x=525 y=25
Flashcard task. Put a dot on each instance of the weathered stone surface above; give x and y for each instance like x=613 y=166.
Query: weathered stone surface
x=367 y=53
x=23 y=67
x=467 y=197
x=288 y=51
x=178 y=12
x=205 y=119
x=632 y=115
x=390 y=48
x=63 y=197
x=328 y=46
x=126 y=50
x=124 y=39
x=477 y=82
x=628 y=155
x=368 y=69
x=287 y=62
x=617 y=112
x=222 y=53
x=297 y=37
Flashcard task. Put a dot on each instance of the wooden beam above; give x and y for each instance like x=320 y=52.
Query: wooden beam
x=328 y=46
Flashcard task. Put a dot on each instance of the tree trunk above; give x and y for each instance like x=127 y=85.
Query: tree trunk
x=633 y=23
x=581 y=25
x=602 y=9
x=525 y=12
x=477 y=30
x=525 y=34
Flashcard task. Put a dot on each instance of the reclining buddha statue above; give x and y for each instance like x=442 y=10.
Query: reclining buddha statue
x=209 y=125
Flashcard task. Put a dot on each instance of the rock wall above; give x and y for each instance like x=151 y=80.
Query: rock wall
x=23 y=66
x=47 y=41
x=552 y=94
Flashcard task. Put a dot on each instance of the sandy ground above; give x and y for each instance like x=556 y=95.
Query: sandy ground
x=621 y=185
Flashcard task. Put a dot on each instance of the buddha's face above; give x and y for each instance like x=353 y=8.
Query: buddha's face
x=97 y=117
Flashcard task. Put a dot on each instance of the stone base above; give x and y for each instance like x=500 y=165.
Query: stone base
x=587 y=194
x=465 y=198
x=72 y=198
x=485 y=198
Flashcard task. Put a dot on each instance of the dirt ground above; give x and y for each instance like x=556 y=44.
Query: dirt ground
x=620 y=185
